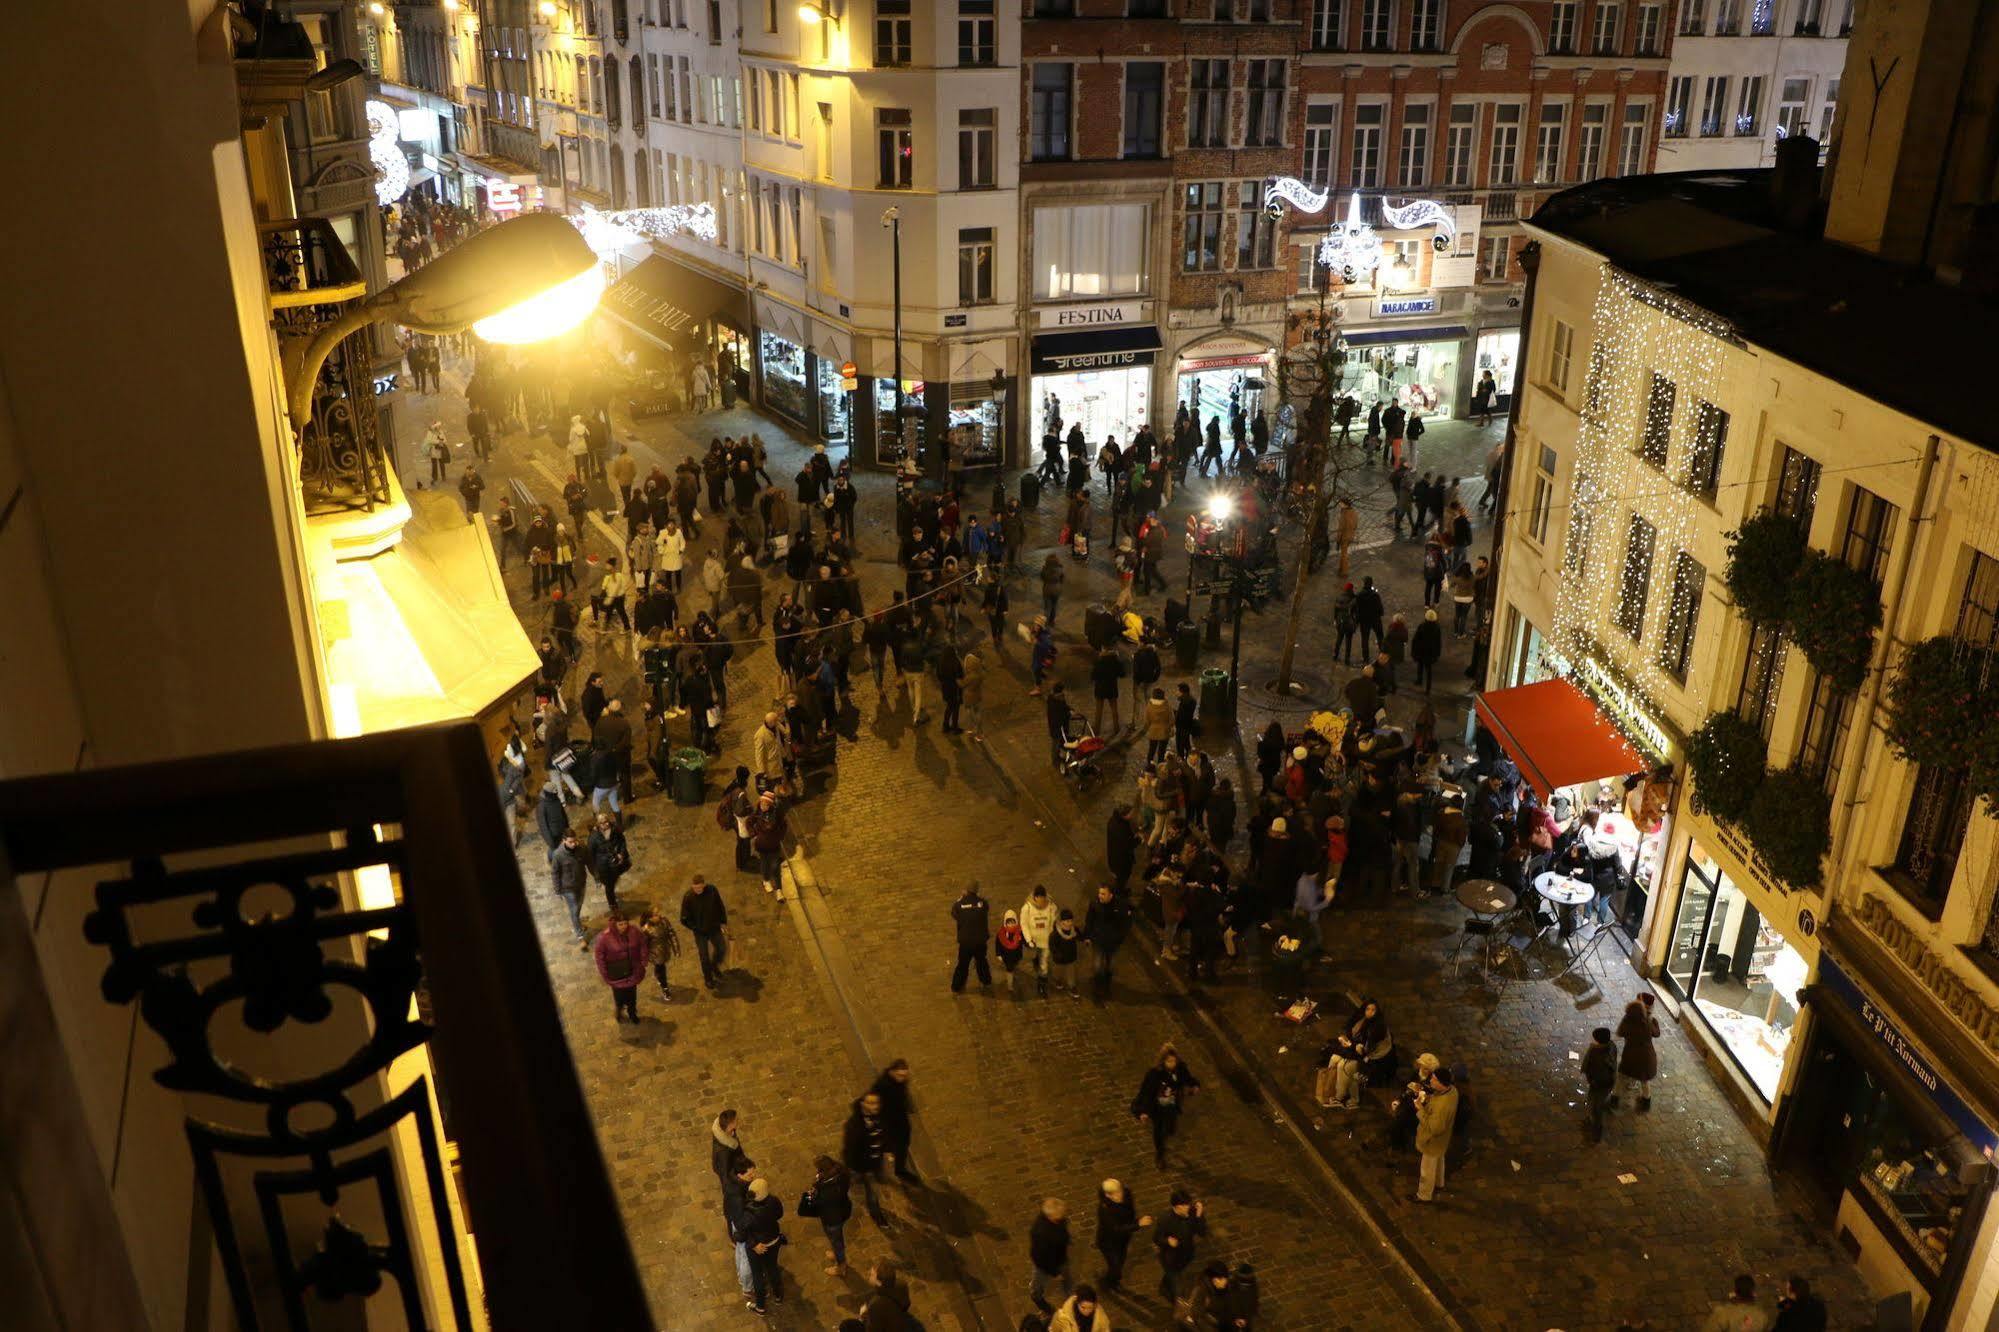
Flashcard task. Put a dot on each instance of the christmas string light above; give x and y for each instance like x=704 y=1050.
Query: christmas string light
x=391 y=167
x=609 y=231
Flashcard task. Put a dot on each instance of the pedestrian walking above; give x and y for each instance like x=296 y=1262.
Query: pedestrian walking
x=1599 y=1078
x=767 y=828
x=1176 y=1238
x=971 y=918
x=1118 y=1222
x=1009 y=946
x=663 y=945
x=764 y=1237
x=1436 y=1116
x=1037 y=922
x=1638 y=1029
x=609 y=856
x=621 y=953
x=1065 y=946
x=1048 y=1252
x=1105 y=925
x=1080 y=1313
x=891 y=1087
x=1105 y=673
x=1739 y=1312
x=1367 y=612
x=887 y=1307
x=1346 y=527
x=1052 y=574
x=1158 y=726
x=565 y=872
x=863 y=1147
x=827 y=1202
x=1798 y=1310
x=707 y=919
x=1162 y=1095
x=1426 y=644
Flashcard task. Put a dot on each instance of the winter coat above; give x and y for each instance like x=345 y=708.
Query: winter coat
x=1062 y=947
x=767 y=753
x=1434 y=1121
x=565 y=869
x=1117 y=1222
x=610 y=857
x=1066 y=1319
x=1105 y=925
x=1158 y=719
x=863 y=1142
x=1164 y=1090
x=1186 y=1231
x=1048 y=1244
x=671 y=548
x=724 y=1150
x=1600 y=1067
x=972 y=918
x=1052 y=574
x=703 y=912
x=621 y=953
x=1426 y=644
x=551 y=818
x=1641 y=1056
x=759 y=1225
x=1037 y=922
x=830 y=1200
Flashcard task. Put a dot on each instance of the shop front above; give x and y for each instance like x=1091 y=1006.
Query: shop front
x=1889 y=1127
x=1417 y=367
x=1100 y=380
x=675 y=316
x=1498 y=350
x=1217 y=377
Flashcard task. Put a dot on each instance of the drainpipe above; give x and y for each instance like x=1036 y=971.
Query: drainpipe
x=1530 y=262
x=1845 y=798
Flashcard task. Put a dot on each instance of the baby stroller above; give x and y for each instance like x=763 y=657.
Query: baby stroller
x=1080 y=747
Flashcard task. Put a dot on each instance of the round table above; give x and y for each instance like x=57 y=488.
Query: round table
x=1563 y=890
x=1486 y=896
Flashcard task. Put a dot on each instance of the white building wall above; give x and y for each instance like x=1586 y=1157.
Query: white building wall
x=1716 y=40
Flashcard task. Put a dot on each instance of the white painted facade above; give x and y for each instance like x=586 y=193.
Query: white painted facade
x=1746 y=72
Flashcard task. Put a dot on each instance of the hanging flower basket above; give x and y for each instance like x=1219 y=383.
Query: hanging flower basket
x=1790 y=825
x=1727 y=757
x=1834 y=611
x=1936 y=707
x=1763 y=554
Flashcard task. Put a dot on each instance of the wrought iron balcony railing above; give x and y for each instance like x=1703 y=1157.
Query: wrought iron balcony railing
x=341 y=463
x=228 y=906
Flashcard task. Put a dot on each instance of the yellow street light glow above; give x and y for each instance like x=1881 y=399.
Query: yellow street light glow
x=451 y=4
x=809 y=14
x=375 y=9
x=548 y=8
x=550 y=314
x=1220 y=508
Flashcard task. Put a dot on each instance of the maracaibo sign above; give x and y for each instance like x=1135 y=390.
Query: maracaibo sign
x=1961 y=1000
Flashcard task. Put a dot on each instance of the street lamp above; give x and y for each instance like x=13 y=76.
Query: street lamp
x=521 y=281
x=892 y=219
x=815 y=14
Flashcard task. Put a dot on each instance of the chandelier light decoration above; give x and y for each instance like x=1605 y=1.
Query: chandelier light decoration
x=392 y=169
x=1352 y=248
x=609 y=231
x=1617 y=597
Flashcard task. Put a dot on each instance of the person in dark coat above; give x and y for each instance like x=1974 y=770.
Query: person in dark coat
x=565 y=872
x=1117 y=1222
x=1162 y=1094
x=1640 y=1061
x=892 y=1088
x=1221 y=814
x=1600 y=1076
x=1048 y=1252
x=759 y=1229
x=551 y=818
x=828 y=1202
x=1367 y=613
x=863 y=1145
x=609 y=856
x=971 y=917
x=725 y=1147
x=703 y=916
x=1798 y=1310
x=1425 y=646
x=887 y=1309
x=1105 y=925
x=1178 y=1235
x=1121 y=847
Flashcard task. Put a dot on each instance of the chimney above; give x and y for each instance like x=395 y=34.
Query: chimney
x=1794 y=183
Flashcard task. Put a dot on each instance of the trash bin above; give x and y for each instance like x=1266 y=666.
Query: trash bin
x=1214 y=693
x=1187 y=645
x=1030 y=490
x=690 y=776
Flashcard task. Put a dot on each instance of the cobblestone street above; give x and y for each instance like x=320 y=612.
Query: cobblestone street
x=1021 y=1098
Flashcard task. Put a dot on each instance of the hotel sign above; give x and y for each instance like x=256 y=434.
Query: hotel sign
x=1116 y=315
x=1961 y=1000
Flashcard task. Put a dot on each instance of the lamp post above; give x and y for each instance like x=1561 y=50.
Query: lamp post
x=998 y=385
x=892 y=219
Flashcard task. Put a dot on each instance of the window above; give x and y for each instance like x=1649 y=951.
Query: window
x=652 y=82
x=1152 y=9
x=1629 y=613
x=1793 y=95
x=1054 y=8
x=1749 y=106
x=1826 y=113
x=1651 y=21
x=1329 y=28
x=794 y=128
x=1458 y=142
x=977 y=136
x=1426 y=24
x=1693 y=18
x=1657 y=435
x=672 y=177
x=1589 y=141
x=1807 y=23
x=1679 y=104
x=1543 y=503
x=1727 y=18
x=895 y=149
x=1048 y=138
x=1631 y=141
x=1505 y=162
x=714 y=22
x=1561 y=355
x=1609 y=19
x=1253 y=11
x=1797 y=487
x=1683 y=615
x=975 y=33
x=1562 y=28
x=1144 y=95
x=1091 y=250
x=687 y=98
x=1201 y=234
x=1828 y=715
x=1498 y=259
x=1377 y=24
x=1870 y=530
x=1367 y=122
x=1548 y=142
x=756 y=101
x=1256 y=229
x=1207 y=103
x=1415 y=163
x=1932 y=837
x=1762 y=677
x=1263 y=118
x=1705 y=450
x=1320 y=128
x=1714 y=105
x=1978 y=611
x=1762 y=18
x=670 y=102
x=975 y=266
x=891 y=32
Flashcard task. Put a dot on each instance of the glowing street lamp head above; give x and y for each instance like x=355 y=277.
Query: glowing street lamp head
x=810 y=13
x=548 y=315
x=1221 y=508
x=529 y=278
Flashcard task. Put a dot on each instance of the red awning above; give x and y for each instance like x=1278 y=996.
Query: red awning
x=1556 y=734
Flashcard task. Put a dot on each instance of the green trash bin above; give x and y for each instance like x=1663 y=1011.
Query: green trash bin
x=1187 y=645
x=690 y=776
x=1214 y=693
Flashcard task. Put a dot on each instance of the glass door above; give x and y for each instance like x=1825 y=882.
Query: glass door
x=1683 y=959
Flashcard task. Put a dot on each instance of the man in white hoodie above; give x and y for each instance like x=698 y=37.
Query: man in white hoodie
x=1037 y=922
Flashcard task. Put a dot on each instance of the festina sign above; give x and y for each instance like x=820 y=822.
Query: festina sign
x=1092 y=316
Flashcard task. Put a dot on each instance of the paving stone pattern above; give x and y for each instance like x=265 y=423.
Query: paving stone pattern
x=1022 y=1098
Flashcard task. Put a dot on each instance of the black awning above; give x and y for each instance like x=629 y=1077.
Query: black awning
x=1095 y=349
x=667 y=301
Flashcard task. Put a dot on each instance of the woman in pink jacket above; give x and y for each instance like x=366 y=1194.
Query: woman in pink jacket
x=622 y=951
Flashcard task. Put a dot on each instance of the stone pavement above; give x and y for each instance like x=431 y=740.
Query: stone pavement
x=1021 y=1098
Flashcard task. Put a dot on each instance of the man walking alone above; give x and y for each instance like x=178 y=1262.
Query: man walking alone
x=972 y=918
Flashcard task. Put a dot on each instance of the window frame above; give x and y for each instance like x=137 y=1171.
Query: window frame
x=1364 y=145
x=1707 y=445
x=1203 y=213
x=1655 y=431
x=1683 y=614
x=1641 y=546
x=1561 y=356
x=895 y=144
x=1051 y=132
x=893 y=47
x=1148 y=115
x=1412 y=162
x=972 y=242
x=978 y=147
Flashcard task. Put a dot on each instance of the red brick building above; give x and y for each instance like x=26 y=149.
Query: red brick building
x=1486 y=108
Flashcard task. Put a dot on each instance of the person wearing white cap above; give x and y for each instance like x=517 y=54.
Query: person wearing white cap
x=1117 y=1222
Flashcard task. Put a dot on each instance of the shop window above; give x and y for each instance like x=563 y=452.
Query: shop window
x=975 y=266
x=783 y=375
x=1207 y=103
x=1048 y=112
x=1548 y=136
x=977 y=136
x=1460 y=139
x=1562 y=28
x=1609 y=26
x=1321 y=120
x=1683 y=615
x=1631 y=140
x=1542 y=506
x=1201 y=228
x=892 y=44
x=1415 y=162
x=976 y=43
x=1657 y=435
x=1263 y=110
x=895 y=149
x=1762 y=677
x=1368 y=119
x=1641 y=539
x=1870 y=528
x=1377 y=24
x=1797 y=487
x=1328 y=32
x=1144 y=95
x=1091 y=250
x=1504 y=164
x=1256 y=229
x=1705 y=449
x=1740 y=975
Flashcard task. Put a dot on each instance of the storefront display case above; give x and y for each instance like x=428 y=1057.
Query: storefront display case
x=1736 y=970
x=835 y=404
x=784 y=379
